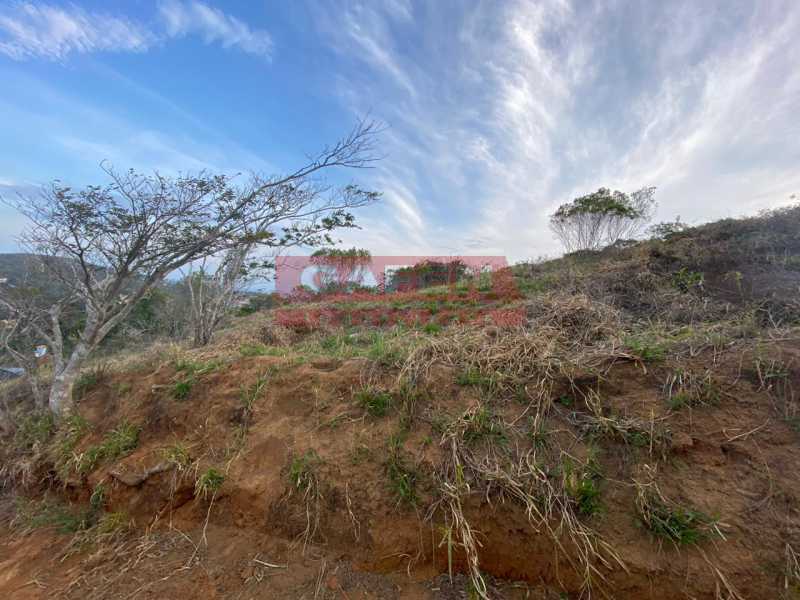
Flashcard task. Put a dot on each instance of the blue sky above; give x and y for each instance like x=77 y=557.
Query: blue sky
x=496 y=111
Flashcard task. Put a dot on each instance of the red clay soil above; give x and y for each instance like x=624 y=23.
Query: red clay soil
x=736 y=460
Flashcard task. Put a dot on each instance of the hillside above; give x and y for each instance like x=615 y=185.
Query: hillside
x=620 y=424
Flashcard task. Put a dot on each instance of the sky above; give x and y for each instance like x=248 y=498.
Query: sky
x=494 y=112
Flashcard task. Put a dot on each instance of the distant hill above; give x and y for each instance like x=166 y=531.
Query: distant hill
x=13 y=267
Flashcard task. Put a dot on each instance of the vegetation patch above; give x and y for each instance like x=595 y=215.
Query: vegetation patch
x=582 y=485
x=119 y=442
x=668 y=521
x=34 y=429
x=209 y=483
x=685 y=388
x=376 y=402
x=88 y=380
x=181 y=389
x=481 y=425
x=646 y=348
x=49 y=514
x=302 y=470
x=402 y=477
x=260 y=350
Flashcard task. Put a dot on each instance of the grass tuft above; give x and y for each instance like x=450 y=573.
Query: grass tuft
x=118 y=442
x=402 y=477
x=667 y=521
x=375 y=402
x=209 y=483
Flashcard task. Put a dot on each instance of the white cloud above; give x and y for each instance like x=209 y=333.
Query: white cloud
x=31 y=30
x=517 y=107
x=186 y=18
x=39 y=30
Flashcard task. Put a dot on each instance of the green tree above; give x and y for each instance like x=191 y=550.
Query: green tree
x=602 y=218
x=108 y=246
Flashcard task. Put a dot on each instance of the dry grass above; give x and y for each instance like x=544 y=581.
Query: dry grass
x=496 y=471
x=650 y=434
x=533 y=360
x=577 y=316
x=669 y=521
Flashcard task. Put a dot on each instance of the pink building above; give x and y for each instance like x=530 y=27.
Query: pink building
x=292 y=271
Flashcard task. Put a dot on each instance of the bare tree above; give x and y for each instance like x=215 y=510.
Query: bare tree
x=212 y=291
x=18 y=340
x=109 y=245
x=601 y=218
x=29 y=310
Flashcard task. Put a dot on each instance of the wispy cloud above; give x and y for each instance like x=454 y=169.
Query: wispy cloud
x=520 y=106
x=40 y=30
x=213 y=25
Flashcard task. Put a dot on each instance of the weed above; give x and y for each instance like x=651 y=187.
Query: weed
x=180 y=389
x=113 y=522
x=383 y=352
x=375 y=402
x=473 y=377
x=646 y=348
x=582 y=484
x=249 y=394
x=685 y=388
x=566 y=401
x=481 y=424
x=32 y=515
x=197 y=368
x=360 y=454
x=774 y=376
x=432 y=328
x=402 y=477
x=209 y=483
x=177 y=454
x=679 y=525
x=71 y=429
x=98 y=498
x=260 y=350
x=302 y=470
x=538 y=433
x=34 y=429
x=117 y=443
x=89 y=379
x=686 y=280
x=123 y=388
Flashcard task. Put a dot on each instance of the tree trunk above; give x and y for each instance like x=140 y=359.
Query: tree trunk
x=60 y=400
